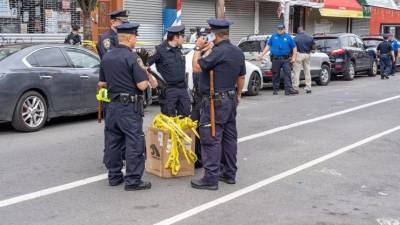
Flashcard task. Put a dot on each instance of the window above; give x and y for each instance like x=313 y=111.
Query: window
x=7 y=51
x=81 y=59
x=360 y=43
x=352 y=42
x=327 y=44
x=252 y=46
x=48 y=57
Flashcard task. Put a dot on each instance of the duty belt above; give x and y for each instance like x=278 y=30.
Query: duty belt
x=126 y=98
x=223 y=94
x=280 y=57
x=181 y=84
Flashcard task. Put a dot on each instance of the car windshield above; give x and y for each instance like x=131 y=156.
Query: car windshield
x=326 y=44
x=372 y=42
x=252 y=46
x=7 y=51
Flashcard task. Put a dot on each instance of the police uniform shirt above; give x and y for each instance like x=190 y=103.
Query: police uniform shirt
x=106 y=42
x=73 y=39
x=304 y=42
x=170 y=63
x=228 y=63
x=122 y=70
x=281 y=45
x=385 y=47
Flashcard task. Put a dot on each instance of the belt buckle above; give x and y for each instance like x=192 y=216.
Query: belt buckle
x=124 y=98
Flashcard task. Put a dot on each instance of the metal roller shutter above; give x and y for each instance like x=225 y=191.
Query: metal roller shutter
x=149 y=14
x=241 y=13
x=268 y=17
x=360 y=26
x=196 y=13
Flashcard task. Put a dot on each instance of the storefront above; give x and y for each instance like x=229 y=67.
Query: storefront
x=38 y=16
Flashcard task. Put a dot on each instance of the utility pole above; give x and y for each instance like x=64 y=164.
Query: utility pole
x=220 y=9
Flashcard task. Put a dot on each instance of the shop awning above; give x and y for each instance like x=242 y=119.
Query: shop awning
x=380 y=3
x=342 y=8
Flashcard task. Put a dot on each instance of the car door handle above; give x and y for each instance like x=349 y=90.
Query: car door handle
x=46 y=77
x=84 y=77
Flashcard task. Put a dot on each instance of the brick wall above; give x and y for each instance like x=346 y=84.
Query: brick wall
x=381 y=16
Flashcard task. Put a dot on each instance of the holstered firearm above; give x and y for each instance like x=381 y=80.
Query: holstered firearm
x=212 y=103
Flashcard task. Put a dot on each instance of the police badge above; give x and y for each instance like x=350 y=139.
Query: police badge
x=107 y=43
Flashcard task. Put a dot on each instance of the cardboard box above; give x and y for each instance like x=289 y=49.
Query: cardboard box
x=158 y=148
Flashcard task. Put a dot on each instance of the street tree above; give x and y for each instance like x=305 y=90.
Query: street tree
x=87 y=7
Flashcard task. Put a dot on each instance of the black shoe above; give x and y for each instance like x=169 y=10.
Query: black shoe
x=116 y=182
x=201 y=184
x=144 y=185
x=387 y=77
x=198 y=165
x=308 y=91
x=227 y=180
x=275 y=93
x=293 y=92
x=382 y=78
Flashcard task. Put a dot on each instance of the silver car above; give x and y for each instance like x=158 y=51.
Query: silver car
x=254 y=44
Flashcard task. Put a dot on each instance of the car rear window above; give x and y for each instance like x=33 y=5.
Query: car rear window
x=372 y=42
x=327 y=44
x=7 y=51
x=252 y=46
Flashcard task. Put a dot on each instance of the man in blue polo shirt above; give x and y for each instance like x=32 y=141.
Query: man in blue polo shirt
x=283 y=54
x=395 y=48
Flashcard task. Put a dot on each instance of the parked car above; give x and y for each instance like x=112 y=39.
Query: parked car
x=254 y=44
x=253 y=77
x=348 y=54
x=371 y=43
x=42 y=81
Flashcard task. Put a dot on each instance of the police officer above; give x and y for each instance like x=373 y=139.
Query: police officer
x=171 y=64
x=74 y=38
x=305 y=44
x=125 y=76
x=227 y=62
x=395 y=47
x=109 y=39
x=283 y=53
x=386 y=54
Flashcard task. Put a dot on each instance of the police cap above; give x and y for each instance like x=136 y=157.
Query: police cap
x=217 y=24
x=280 y=26
x=120 y=15
x=128 y=28
x=180 y=29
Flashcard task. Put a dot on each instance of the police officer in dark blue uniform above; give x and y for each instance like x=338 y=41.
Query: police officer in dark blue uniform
x=171 y=64
x=386 y=54
x=227 y=62
x=283 y=53
x=109 y=39
x=125 y=76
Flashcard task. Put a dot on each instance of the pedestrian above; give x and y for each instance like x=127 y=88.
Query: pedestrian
x=227 y=63
x=125 y=76
x=395 y=46
x=193 y=36
x=386 y=55
x=74 y=38
x=305 y=44
x=283 y=54
x=109 y=39
x=171 y=64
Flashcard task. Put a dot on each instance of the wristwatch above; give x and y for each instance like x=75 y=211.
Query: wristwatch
x=197 y=48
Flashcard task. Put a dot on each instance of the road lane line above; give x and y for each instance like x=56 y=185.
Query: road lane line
x=263 y=183
x=68 y=186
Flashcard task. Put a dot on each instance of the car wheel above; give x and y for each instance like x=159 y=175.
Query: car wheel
x=350 y=71
x=373 y=70
x=254 y=86
x=325 y=76
x=30 y=114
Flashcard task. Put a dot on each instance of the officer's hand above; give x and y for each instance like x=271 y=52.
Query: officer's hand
x=238 y=99
x=293 y=60
x=201 y=42
x=207 y=46
x=259 y=57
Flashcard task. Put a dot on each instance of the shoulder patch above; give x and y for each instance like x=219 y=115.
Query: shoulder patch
x=140 y=63
x=107 y=43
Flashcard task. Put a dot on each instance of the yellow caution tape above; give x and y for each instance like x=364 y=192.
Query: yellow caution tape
x=181 y=142
x=102 y=95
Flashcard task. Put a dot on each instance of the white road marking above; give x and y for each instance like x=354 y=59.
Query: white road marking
x=68 y=186
x=263 y=183
x=330 y=172
x=388 y=221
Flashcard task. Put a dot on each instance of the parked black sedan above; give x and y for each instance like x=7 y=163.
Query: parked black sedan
x=43 y=81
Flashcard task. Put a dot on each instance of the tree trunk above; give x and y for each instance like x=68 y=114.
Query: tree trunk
x=87 y=26
x=220 y=9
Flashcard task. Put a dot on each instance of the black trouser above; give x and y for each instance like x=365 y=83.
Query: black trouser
x=196 y=106
x=281 y=68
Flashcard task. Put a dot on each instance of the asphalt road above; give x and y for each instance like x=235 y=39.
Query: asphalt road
x=316 y=172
